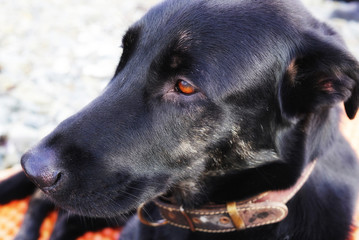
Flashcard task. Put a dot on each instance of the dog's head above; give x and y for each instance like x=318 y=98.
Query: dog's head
x=208 y=95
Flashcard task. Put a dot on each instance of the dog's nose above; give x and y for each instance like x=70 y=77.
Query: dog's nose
x=40 y=167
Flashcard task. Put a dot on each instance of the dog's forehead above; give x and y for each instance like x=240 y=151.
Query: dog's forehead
x=214 y=23
x=203 y=16
x=228 y=32
x=225 y=39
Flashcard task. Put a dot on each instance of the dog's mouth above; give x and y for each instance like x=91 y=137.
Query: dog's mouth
x=106 y=200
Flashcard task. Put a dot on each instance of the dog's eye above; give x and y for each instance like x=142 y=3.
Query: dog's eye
x=185 y=87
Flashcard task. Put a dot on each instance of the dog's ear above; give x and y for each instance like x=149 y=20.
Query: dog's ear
x=321 y=75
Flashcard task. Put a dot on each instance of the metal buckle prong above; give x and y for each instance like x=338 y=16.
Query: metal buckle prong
x=145 y=221
x=189 y=221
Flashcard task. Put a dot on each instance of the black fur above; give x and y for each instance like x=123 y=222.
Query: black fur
x=267 y=78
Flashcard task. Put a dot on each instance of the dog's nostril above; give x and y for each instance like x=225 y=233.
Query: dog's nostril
x=58 y=177
x=48 y=178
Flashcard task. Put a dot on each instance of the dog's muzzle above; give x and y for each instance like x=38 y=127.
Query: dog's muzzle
x=263 y=209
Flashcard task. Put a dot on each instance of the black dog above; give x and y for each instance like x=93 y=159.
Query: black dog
x=213 y=102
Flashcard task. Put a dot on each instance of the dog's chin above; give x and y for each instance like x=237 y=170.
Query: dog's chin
x=103 y=204
x=98 y=210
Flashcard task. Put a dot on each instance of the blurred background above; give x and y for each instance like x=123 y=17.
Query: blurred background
x=57 y=55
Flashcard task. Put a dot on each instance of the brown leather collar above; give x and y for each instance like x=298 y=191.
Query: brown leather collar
x=266 y=208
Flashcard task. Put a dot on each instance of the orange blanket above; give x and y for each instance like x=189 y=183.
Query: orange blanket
x=11 y=216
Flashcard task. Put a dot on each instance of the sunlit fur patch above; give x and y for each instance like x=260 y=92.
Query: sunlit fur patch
x=181 y=45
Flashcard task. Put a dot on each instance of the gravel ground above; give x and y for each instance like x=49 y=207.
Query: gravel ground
x=57 y=55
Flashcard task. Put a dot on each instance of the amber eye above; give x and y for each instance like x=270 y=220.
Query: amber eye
x=184 y=87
